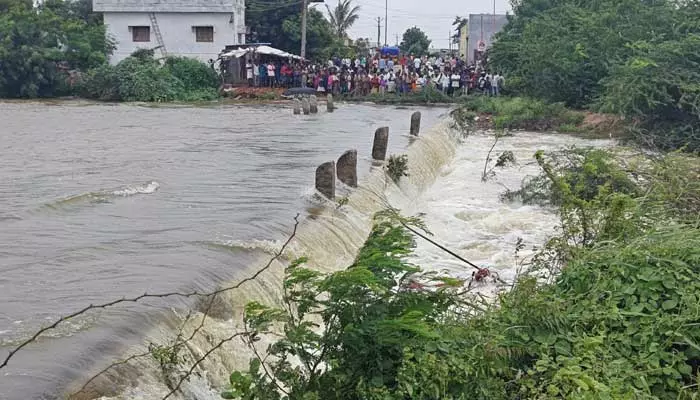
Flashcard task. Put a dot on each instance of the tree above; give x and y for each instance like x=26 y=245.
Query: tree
x=342 y=17
x=319 y=36
x=37 y=45
x=362 y=46
x=279 y=22
x=567 y=51
x=458 y=24
x=415 y=42
x=6 y=5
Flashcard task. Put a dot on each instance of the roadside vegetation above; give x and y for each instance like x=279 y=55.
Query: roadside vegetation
x=142 y=78
x=635 y=59
x=510 y=113
x=60 y=48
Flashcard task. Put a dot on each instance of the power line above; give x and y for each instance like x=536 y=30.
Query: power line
x=398 y=11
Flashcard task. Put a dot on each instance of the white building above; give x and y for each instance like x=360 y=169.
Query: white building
x=199 y=29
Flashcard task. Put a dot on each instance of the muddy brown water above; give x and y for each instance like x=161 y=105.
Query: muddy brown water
x=100 y=201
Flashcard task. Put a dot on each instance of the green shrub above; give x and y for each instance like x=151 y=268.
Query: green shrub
x=397 y=167
x=193 y=74
x=146 y=81
x=620 y=322
x=100 y=84
x=637 y=59
x=523 y=113
x=658 y=88
x=141 y=78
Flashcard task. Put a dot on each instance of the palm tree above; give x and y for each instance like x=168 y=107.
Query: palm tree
x=343 y=17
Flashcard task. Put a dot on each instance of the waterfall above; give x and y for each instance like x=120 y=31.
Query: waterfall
x=330 y=238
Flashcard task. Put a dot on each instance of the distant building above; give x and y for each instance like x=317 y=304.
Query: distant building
x=192 y=28
x=482 y=28
x=463 y=41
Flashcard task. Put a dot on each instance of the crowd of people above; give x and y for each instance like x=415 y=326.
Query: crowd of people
x=378 y=75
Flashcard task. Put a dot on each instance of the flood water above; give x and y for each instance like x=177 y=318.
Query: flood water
x=102 y=201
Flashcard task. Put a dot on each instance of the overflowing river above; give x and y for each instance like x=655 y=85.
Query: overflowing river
x=103 y=201
x=99 y=202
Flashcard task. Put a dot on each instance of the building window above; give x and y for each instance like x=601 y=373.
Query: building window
x=141 y=33
x=204 y=33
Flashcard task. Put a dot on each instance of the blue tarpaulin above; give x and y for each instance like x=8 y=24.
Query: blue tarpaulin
x=390 y=51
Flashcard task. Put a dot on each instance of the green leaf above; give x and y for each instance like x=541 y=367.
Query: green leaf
x=254 y=366
x=669 y=304
x=684 y=369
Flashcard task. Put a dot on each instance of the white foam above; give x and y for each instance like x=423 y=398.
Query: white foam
x=149 y=188
x=466 y=215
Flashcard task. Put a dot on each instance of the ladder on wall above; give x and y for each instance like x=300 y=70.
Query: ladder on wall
x=159 y=36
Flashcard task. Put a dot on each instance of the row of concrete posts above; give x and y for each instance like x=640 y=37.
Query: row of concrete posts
x=309 y=105
x=346 y=167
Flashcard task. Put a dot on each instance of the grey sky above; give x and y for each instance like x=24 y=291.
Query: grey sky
x=435 y=17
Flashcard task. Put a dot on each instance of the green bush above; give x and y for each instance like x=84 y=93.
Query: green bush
x=637 y=59
x=620 y=322
x=193 y=74
x=397 y=167
x=523 y=113
x=100 y=84
x=146 y=81
x=658 y=88
x=141 y=78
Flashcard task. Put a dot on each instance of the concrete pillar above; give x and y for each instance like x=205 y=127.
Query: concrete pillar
x=297 y=107
x=347 y=168
x=305 y=106
x=415 y=123
x=313 y=103
x=325 y=179
x=381 y=142
x=329 y=103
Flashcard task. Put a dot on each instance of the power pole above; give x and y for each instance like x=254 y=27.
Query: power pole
x=304 y=11
x=386 y=21
x=379 y=31
x=397 y=39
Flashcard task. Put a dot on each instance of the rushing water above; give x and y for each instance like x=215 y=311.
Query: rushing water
x=465 y=214
x=103 y=201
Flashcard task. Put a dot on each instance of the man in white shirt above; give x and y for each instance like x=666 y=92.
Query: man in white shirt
x=454 y=79
x=256 y=74
x=249 y=73
x=496 y=84
x=444 y=81
x=390 y=79
x=271 y=74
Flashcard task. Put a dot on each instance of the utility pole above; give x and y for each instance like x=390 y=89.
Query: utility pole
x=304 y=11
x=386 y=21
x=397 y=39
x=379 y=31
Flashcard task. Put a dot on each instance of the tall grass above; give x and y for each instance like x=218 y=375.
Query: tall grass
x=523 y=113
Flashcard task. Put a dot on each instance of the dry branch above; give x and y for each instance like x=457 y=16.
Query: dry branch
x=198 y=361
x=146 y=295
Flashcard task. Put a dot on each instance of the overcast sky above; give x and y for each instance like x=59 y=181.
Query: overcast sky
x=434 y=17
